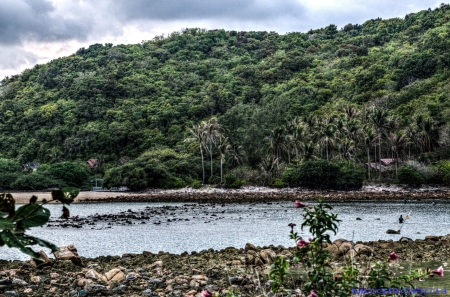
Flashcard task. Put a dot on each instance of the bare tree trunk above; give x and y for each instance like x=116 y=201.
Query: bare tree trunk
x=375 y=156
x=203 y=164
x=368 y=162
x=221 y=163
x=379 y=153
x=396 y=162
x=210 y=154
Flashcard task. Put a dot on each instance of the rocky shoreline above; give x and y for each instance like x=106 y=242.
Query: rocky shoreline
x=224 y=196
x=253 y=194
x=241 y=270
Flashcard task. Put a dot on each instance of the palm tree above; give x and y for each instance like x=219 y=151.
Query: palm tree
x=212 y=133
x=351 y=111
x=276 y=142
x=223 y=146
x=410 y=132
x=326 y=132
x=308 y=150
x=347 y=146
x=370 y=138
x=379 y=118
x=199 y=135
x=236 y=154
x=397 y=140
x=427 y=135
x=295 y=134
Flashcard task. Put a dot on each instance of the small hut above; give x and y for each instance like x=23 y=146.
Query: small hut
x=92 y=163
x=31 y=166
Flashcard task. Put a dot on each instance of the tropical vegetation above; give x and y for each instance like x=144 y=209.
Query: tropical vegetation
x=197 y=105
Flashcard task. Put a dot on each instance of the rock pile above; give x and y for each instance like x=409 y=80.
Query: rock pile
x=163 y=274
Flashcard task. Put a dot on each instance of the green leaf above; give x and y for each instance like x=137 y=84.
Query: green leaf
x=34 y=240
x=58 y=195
x=31 y=215
x=5 y=224
x=66 y=195
x=16 y=241
x=71 y=193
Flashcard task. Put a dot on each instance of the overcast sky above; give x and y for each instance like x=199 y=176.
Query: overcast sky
x=37 y=31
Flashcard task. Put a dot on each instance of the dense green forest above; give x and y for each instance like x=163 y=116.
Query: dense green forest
x=223 y=106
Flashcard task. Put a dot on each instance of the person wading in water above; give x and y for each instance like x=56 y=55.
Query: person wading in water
x=400 y=219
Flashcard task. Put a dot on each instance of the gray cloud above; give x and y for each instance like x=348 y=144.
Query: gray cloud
x=35 y=20
x=12 y=56
x=358 y=12
x=165 y=10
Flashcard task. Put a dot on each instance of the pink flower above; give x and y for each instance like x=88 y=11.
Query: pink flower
x=302 y=243
x=298 y=204
x=313 y=294
x=439 y=271
x=393 y=257
x=206 y=293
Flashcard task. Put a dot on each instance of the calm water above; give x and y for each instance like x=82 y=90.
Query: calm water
x=221 y=226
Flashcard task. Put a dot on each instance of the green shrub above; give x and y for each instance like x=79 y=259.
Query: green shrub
x=214 y=180
x=196 y=184
x=430 y=174
x=74 y=174
x=36 y=181
x=291 y=176
x=232 y=182
x=158 y=168
x=443 y=168
x=277 y=183
x=126 y=175
x=410 y=176
x=319 y=174
x=7 y=178
x=171 y=183
x=351 y=176
x=248 y=174
x=9 y=166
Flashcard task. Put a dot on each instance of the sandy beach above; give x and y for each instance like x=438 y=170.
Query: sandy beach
x=251 y=194
x=24 y=197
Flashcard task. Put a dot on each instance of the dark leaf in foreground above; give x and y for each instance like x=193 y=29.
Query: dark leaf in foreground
x=66 y=195
x=7 y=204
x=33 y=199
x=31 y=215
x=31 y=240
x=66 y=212
x=17 y=241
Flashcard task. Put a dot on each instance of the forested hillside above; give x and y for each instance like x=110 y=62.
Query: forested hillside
x=253 y=102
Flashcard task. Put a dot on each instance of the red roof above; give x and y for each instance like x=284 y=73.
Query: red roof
x=387 y=161
x=92 y=163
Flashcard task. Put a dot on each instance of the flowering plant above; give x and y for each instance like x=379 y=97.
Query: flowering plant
x=312 y=255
